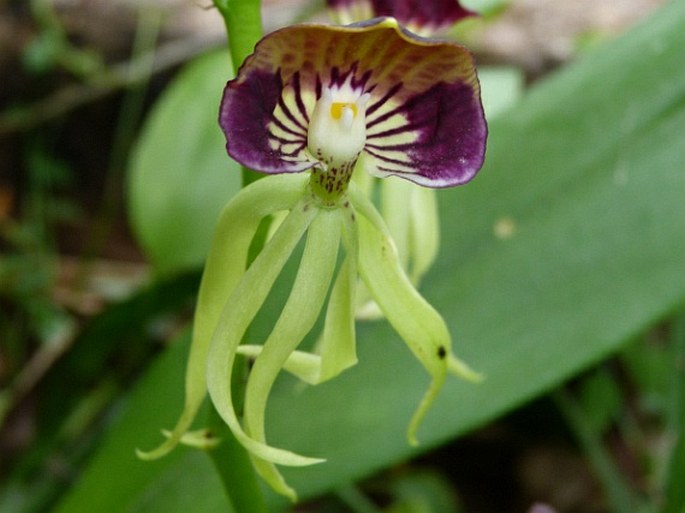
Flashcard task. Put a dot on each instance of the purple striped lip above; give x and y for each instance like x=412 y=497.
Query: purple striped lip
x=320 y=96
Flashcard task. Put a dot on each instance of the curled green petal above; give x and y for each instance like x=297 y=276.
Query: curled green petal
x=199 y=439
x=239 y=311
x=363 y=180
x=424 y=235
x=301 y=364
x=395 y=205
x=273 y=477
x=299 y=314
x=225 y=265
x=409 y=314
x=337 y=347
x=461 y=369
x=338 y=343
x=414 y=319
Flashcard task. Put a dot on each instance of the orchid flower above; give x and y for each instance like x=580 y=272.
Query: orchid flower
x=411 y=213
x=311 y=105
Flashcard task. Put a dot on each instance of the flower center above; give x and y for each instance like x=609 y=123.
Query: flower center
x=337 y=129
x=336 y=136
x=347 y=111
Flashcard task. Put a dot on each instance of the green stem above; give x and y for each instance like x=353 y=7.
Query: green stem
x=242 y=306
x=243 y=22
x=231 y=460
x=244 y=27
x=244 y=302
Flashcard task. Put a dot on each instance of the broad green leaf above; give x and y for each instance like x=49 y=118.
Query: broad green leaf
x=570 y=242
x=180 y=177
x=117 y=480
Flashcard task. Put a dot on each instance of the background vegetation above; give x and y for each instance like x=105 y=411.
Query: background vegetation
x=561 y=275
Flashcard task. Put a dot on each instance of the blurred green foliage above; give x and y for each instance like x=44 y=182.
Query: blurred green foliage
x=568 y=249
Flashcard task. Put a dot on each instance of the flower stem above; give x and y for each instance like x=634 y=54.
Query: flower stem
x=231 y=460
x=244 y=26
x=243 y=22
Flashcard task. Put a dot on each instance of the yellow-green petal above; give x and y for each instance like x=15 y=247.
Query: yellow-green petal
x=224 y=267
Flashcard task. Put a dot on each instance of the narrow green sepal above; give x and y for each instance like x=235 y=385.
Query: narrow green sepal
x=396 y=209
x=225 y=265
x=424 y=231
x=238 y=313
x=297 y=318
x=415 y=320
x=462 y=370
x=337 y=346
x=301 y=364
x=199 y=439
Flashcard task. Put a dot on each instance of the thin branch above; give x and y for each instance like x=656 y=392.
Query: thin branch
x=117 y=77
